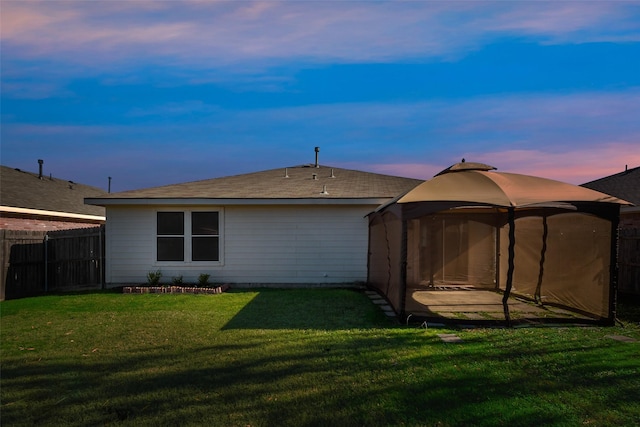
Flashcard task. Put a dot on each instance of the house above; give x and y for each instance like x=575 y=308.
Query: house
x=297 y=225
x=32 y=201
x=48 y=236
x=625 y=185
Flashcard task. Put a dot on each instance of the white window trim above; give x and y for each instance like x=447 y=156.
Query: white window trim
x=187 y=238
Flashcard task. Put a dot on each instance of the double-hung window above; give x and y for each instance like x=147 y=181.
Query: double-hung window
x=170 y=236
x=205 y=236
x=188 y=236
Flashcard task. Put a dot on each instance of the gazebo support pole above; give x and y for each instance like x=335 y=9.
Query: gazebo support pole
x=403 y=270
x=545 y=233
x=613 y=267
x=512 y=245
x=498 y=226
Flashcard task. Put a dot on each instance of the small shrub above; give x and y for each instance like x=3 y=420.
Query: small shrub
x=203 y=279
x=153 y=278
x=177 y=281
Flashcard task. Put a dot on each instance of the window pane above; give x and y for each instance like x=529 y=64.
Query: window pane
x=170 y=249
x=204 y=223
x=204 y=249
x=171 y=223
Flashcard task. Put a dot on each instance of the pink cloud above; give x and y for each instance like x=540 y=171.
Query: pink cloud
x=218 y=33
x=576 y=166
x=561 y=18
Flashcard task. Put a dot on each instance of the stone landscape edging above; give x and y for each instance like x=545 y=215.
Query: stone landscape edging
x=173 y=290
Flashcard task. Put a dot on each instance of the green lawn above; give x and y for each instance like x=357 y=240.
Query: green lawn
x=299 y=358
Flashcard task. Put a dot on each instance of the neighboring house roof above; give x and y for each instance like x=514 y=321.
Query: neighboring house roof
x=284 y=185
x=624 y=185
x=25 y=193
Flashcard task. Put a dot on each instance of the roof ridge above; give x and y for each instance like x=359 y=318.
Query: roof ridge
x=292 y=182
x=51 y=178
x=27 y=190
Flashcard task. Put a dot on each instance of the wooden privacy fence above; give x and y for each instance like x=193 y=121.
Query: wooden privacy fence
x=37 y=262
x=629 y=261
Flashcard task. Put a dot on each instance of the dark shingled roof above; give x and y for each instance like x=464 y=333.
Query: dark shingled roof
x=20 y=189
x=298 y=183
x=624 y=185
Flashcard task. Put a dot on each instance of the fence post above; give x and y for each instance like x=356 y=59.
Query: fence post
x=101 y=255
x=46 y=263
x=4 y=259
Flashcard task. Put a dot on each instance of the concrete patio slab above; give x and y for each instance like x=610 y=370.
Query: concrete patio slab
x=484 y=304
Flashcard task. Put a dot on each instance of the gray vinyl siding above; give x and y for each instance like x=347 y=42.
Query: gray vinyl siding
x=299 y=244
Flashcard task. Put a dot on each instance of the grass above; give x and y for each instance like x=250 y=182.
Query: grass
x=299 y=358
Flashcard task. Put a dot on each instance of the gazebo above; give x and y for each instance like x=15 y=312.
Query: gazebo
x=471 y=228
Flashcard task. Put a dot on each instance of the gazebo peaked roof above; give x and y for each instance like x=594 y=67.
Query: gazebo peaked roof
x=463 y=166
x=502 y=189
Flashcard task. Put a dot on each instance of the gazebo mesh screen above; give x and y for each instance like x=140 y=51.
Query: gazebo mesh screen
x=561 y=258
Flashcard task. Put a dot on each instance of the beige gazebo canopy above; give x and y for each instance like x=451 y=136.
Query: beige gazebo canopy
x=453 y=229
x=501 y=189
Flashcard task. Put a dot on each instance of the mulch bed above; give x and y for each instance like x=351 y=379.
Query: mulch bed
x=173 y=290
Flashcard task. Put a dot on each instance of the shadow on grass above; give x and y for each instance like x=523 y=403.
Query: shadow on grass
x=325 y=309
x=361 y=379
x=629 y=308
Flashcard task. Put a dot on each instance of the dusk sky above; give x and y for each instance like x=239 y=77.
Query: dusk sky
x=162 y=92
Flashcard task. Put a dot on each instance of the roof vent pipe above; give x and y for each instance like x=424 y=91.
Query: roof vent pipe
x=317 y=151
x=324 y=189
x=40 y=162
x=286 y=172
x=332 y=175
x=315 y=176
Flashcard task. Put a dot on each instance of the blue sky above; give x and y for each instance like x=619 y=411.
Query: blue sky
x=161 y=92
